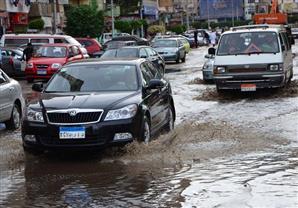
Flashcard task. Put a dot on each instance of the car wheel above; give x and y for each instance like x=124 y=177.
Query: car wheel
x=183 y=59
x=146 y=132
x=30 y=80
x=15 y=119
x=177 y=60
x=291 y=76
x=171 y=122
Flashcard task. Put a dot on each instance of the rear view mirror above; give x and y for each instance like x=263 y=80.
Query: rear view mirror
x=38 y=87
x=283 y=47
x=211 y=51
x=155 y=84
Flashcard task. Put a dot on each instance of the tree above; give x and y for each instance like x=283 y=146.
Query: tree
x=129 y=26
x=37 y=24
x=83 y=21
x=154 y=29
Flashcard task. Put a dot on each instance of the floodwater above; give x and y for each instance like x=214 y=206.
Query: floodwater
x=224 y=152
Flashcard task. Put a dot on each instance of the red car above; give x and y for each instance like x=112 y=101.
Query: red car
x=93 y=47
x=49 y=58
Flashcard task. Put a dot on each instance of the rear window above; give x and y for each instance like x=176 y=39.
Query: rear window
x=15 y=42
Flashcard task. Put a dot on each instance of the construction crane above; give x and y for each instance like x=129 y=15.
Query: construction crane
x=274 y=17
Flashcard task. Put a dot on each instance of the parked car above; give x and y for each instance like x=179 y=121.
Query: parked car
x=12 y=63
x=115 y=44
x=171 y=49
x=37 y=40
x=49 y=59
x=207 y=69
x=137 y=52
x=92 y=46
x=11 y=102
x=182 y=38
x=108 y=36
x=295 y=33
x=94 y=103
x=253 y=56
x=139 y=41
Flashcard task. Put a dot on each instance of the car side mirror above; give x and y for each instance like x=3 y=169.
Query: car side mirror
x=211 y=51
x=38 y=87
x=155 y=84
x=143 y=56
x=209 y=56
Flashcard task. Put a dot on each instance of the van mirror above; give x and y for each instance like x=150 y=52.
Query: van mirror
x=38 y=87
x=211 y=51
x=283 y=48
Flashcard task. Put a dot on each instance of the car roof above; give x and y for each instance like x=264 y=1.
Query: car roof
x=119 y=60
x=36 y=35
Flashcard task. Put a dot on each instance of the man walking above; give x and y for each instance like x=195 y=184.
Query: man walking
x=195 y=33
x=28 y=52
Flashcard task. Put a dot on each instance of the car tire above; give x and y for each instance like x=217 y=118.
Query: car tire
x=184 y=57
x=291 y=76
x=178 y=60
x=219 y=91
x=146 y=131
x=171 y=123
x=30 y=80
x=15 y=119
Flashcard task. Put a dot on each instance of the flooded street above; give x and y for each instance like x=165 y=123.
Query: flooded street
x=226 y=151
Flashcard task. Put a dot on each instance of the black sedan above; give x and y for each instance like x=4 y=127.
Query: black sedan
x=92 y=103
x=137 y=52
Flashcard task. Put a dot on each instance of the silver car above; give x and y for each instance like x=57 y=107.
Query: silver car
x=11 y=102
x=208 y=68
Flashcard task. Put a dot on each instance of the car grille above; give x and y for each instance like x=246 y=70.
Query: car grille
x=65 y=117
x=42 y=66
x=252 y=69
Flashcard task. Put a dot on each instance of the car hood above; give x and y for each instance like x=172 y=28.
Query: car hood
x=45 y=60
x=105 y=100
x=166 y=49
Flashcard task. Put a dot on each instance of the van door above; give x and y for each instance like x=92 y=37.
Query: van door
x=287 y=54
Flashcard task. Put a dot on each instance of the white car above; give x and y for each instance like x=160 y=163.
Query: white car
x=11 y=102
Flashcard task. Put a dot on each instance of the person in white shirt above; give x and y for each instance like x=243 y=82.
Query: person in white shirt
x=212 y=37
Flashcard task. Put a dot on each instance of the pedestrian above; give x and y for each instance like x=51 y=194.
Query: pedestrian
x=195 y=35
x=206 y=36
x=28 y=52
x=213 y=37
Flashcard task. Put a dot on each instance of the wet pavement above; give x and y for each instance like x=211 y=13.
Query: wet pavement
x=233 y=151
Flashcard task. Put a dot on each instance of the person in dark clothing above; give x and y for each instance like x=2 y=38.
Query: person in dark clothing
x=206 y=35
x=28 y=52
x=195 y=33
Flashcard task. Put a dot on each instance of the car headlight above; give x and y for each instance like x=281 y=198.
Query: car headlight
x=56 y=66
x=219 y=70
x=33 y=115
x=275 y=67
x=30 y=65
x=122 y=113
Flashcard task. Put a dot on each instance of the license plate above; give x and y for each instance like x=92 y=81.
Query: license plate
x=72 y=133
x=41 y=72
x=248 y=87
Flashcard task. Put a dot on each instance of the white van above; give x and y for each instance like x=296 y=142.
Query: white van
x=253 y=56
x=21 y=40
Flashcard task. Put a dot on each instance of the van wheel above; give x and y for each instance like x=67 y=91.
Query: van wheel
x=177 y=60
x=291 y=76
x=15 y=119
x=183 y=59
x=32 y=151
x=219 y=91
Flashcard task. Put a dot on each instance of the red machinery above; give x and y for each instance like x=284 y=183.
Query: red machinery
x=274 y=17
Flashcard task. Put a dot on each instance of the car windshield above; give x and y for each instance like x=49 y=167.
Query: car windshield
x=94 y=78
x=109 y=53
x=127 y=52
x=165 y=43
x=51 y=52
x=248 y=43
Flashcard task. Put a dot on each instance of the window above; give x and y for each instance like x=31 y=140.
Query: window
x=40 y=40
x=86 y=43
x=60 y=40
x=150 y=52
x=286 y=41
x=153 y=70
x=146 y=74
x=2 y=78
x=15 y=42
x=143 y=53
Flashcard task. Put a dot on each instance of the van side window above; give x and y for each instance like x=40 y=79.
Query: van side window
x=60 y=40
x=2 y=78
x=282 y=41
x=15 y=42
x=286 y=40
x=44 y=40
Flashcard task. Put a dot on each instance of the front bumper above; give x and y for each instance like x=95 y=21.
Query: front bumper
x=234 y=81
x=97 y=135
x=172 y=57
x=207 y=75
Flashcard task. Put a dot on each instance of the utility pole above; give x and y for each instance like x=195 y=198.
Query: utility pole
x=187 y=16
x=141 y=17
x=233 y=13
x=208 y=20
x=113 y=20
x=54 y=9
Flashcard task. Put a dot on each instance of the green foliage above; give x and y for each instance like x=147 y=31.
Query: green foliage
x=178 y=29
x=127 y=7
x=154 y=29
x=83 y=21
x=129 y=26
x=37 y=24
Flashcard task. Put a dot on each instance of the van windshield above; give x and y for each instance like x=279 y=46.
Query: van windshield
x=248 y=43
